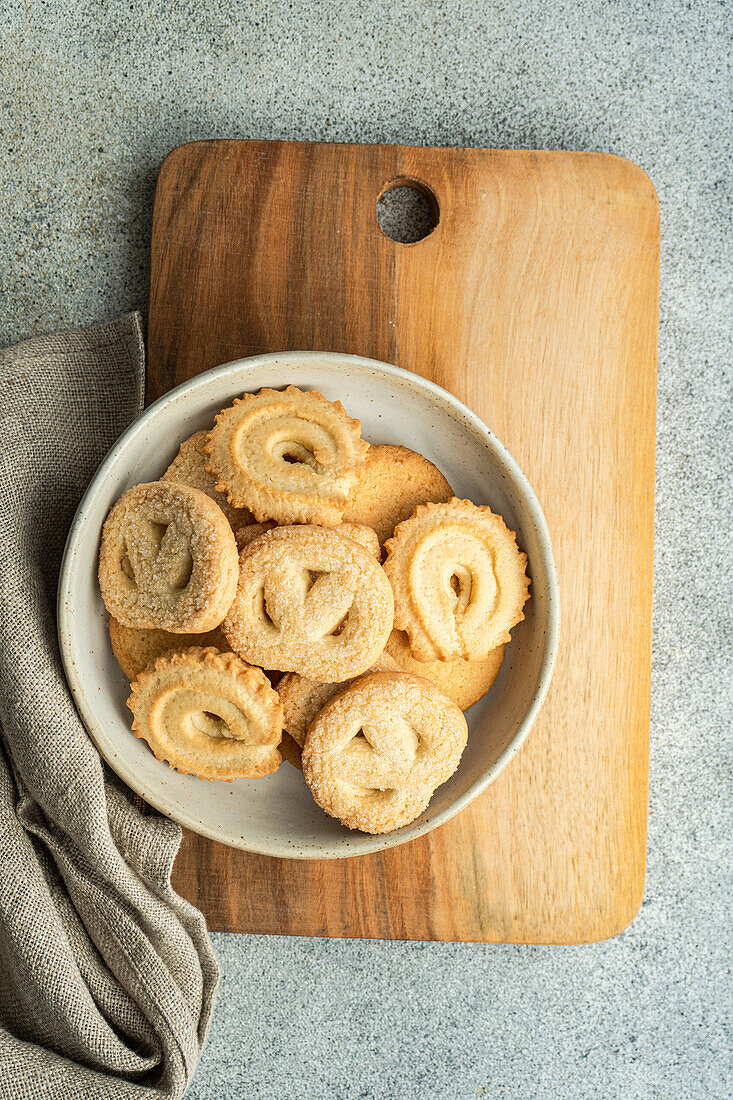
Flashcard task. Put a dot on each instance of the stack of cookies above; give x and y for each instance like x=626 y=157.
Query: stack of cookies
x=286 y=590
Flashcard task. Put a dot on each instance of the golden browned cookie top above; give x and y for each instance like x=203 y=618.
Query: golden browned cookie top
x=189 y=468
x=168 y=559
x=288 y=455
x=365 y=536
x=464 y=681
x=209 y=714
x=459 y=580
x=310 y=601
x=377 y=750
x=136 y=649
x=390 y=485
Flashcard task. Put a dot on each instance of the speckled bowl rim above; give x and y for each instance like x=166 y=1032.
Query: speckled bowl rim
x=551 y=639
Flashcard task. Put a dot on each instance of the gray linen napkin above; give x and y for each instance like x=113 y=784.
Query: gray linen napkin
x=107 y=977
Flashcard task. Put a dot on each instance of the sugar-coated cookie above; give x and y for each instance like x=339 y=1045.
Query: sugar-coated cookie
x=390 y=485
x=208 y=714
x=377 y=750
x=136 y=649
x=168 y=559
x=310 y=601
x=288 y=455
x=464 y=681
x=458 y=578
x=302 y=699
x=189 y=468
x=365 y=536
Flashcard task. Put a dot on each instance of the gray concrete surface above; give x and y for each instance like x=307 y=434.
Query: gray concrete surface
x=91 y=98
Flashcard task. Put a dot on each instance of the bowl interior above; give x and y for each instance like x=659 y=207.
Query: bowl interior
x=277 y=815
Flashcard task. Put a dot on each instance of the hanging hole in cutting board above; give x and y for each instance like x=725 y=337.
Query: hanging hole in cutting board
x=407 y=211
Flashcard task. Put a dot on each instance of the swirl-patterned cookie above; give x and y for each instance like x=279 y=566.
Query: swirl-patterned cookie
x=459 y=580
x=302 y=699
x=189 y=468
x=136 y=649
x=289 y=455
x=208 y=714
x=376 y=752
x=389 y=487
x=310 y=601
x=168 y=559
x=465 y=682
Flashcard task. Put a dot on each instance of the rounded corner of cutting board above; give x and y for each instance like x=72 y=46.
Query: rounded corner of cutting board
x=631 y=178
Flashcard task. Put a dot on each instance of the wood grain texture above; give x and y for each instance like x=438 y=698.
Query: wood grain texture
x=535 y=300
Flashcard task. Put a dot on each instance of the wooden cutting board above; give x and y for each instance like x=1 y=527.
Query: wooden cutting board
x=535 y=301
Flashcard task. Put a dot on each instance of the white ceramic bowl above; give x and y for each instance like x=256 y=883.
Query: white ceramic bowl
x=277 y=815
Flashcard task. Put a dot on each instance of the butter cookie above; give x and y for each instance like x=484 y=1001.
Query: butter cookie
x=357 y=531
x=288 y=455
x=465 y=682
x=208 y=714
x=189 y=468
x=310 y=601
x=168 y=559
x=302 y=699
x=135 y=649
x=376 y=752
x=458 y=578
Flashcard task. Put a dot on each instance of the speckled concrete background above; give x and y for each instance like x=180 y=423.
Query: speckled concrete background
x=91 y=99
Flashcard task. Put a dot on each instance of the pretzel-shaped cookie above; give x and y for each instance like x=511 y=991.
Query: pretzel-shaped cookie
x=289 y=455
x=208 y=714
x=310 y=601
x=458 y=578
x=168 y=559
x=376 y=752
